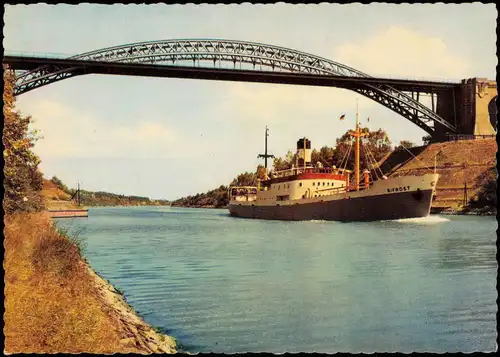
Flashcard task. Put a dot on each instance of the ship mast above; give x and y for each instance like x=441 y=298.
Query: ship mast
x=265 y=155
x=357 y=134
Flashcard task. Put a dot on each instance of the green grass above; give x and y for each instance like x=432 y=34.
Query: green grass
x=157 y=329
x=75 y=238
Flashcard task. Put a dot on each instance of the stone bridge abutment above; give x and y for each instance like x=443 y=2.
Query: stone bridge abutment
x=470 y=107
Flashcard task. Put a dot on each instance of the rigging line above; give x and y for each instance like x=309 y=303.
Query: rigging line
x=326 y=162
x=382 y=161
x=416 y=158
x=375 y=165
x=400 y=166
x=342 y=161
x=366 y=152
x=347 y=158
x=346 y=155
x=378 y=166
x=371 y=158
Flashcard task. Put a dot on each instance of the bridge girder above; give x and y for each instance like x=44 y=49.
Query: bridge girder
x=210 y=51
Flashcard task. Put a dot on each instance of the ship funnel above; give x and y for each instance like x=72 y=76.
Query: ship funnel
x=303 y=152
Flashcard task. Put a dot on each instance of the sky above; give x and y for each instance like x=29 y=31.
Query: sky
x=168 y=138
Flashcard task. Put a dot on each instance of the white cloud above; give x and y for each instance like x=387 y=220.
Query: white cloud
x=400 y=52
x=67 y=133
x=267 y=103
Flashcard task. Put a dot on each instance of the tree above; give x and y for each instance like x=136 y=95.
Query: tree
x=405 y=144
x=280 y=164
x=261 y=172
x=245 y=179
x=327 y=154
x=284 y=164
x=373 y=148
x=23 y=181
x=290 y=158
x=56 y=181
x=315 y=157
x=487 y=194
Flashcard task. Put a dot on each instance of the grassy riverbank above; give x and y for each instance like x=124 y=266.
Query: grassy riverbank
x=54 y=302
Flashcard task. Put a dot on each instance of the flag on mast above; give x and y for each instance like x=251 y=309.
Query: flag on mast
x=342 y=117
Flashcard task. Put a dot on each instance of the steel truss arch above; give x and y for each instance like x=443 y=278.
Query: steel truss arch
x=212 y=51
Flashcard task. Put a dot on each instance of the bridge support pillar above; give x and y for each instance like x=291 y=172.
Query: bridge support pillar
x=470 y=107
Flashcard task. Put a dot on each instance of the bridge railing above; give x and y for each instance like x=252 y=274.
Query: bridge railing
x=38 y=54
x=457 y=137
x=420 y=79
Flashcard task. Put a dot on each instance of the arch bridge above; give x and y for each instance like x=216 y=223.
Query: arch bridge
x=204 y=59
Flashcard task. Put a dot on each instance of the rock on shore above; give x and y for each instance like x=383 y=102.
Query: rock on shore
x=138 y=334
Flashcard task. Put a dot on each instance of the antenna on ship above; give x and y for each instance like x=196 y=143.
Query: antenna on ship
x=265 y=155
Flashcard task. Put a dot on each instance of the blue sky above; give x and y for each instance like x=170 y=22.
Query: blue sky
x=167 y=138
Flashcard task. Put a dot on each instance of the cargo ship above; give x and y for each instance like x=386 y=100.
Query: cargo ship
x=309 y=191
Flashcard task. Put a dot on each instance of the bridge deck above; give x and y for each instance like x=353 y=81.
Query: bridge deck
x=175 y=71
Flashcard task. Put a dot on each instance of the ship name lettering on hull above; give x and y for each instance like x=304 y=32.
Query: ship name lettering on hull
x=398 y=189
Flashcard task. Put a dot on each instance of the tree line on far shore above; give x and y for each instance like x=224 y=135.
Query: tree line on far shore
x=100 y=198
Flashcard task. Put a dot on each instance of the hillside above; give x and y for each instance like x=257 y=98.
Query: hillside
x=58 y=196
x=460 y=163
x=217 y=198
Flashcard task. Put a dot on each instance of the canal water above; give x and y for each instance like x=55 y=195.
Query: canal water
x=222 y=284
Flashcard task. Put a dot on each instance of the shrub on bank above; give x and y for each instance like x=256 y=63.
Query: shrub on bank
x=55 y=253
x=59 y=184
x=23 y=181
x=486 y=199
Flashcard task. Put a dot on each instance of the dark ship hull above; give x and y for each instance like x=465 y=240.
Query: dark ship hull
x=368 y=208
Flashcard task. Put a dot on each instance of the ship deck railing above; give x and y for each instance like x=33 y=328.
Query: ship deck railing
x=309 y=170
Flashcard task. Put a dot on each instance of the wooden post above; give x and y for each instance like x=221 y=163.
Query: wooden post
x=367 y=178
x=465 y=194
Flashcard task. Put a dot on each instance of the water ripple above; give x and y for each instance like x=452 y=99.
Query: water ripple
x=231 y=285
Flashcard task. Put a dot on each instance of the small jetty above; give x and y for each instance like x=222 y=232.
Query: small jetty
x=69 y=208
x=68 y=213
